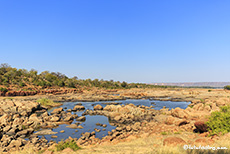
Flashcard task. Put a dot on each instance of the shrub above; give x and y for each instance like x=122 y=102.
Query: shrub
x=3 y=89
x=68 y=144
x=227 y=87
x=219 y=121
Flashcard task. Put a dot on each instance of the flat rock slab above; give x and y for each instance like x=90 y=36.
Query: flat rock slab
x=46 y=132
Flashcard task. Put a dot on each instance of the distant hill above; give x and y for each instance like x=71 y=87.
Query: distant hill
x=196 y=84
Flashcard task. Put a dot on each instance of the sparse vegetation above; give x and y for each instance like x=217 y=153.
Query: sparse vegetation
x=219 y=121
x=68 y=144
x=47 y=102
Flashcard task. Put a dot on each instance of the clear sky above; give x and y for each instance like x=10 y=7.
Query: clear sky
x=126 y=40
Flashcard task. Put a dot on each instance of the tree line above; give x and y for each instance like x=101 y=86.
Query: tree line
x=10 y=76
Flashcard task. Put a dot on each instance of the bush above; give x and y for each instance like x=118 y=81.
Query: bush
x=68 y=144
x=227 y=87
x=219 y=121
x=3 y=89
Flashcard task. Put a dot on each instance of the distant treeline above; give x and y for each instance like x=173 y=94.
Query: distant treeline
x=23 y=78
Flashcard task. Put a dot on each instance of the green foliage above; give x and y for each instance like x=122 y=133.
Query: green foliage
x=209 y=90
x=219 y=121
x=46 y=102
x=124 y=84
x=68 y=144
x=24 y=78
x=227 y=87
x=202 y=101
x=164 y=133
x=3 y=89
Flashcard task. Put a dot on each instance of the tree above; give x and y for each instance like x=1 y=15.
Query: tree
x=227 y=87
x=124 y=84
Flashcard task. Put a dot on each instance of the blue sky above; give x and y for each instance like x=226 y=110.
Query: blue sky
x=126 y=40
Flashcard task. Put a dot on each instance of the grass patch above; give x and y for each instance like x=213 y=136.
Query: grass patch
x=68 y=144
x=202 y=101
x=47 y=102
x=164 y=133
x=177 y=132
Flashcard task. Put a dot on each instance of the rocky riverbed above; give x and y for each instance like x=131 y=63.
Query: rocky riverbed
x=21 y=119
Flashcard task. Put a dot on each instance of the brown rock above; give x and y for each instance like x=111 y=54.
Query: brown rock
x=201 y=126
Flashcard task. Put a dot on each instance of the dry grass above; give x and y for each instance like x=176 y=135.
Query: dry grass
x=148 y=145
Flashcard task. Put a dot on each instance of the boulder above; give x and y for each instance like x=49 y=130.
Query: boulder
x=82 y=118
x=98 y=107
x=179 y=113
x=57 y=111
x=78 y=108
x=201 y=126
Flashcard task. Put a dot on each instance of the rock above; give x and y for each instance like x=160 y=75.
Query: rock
x=69 y=118
x=82 y=118
x=57 y=111
x=173 y=141
x=78 y=108
x=62 y=131
x=46 y=132
x=179 y=113
x=73 y=126
x=67 y=150
x=48 y=152
x=55 y=119
x=98 y=107
x=18 y=121
x=128 y=128
x=69 y=110
x=97 y=130
x=12 y=131
x=25 y=132
x=104 y=125
x=54 y=136
x=182 y=122
x=201 y=126
x=80 y=127
x=7 y=128
x=117 y=118
x=86 y=135
x=98 y=124
x=170 y=120
x=119 y=129
x=34 y=118
x=15 y=143
x=93 y=133
x=198 y=107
